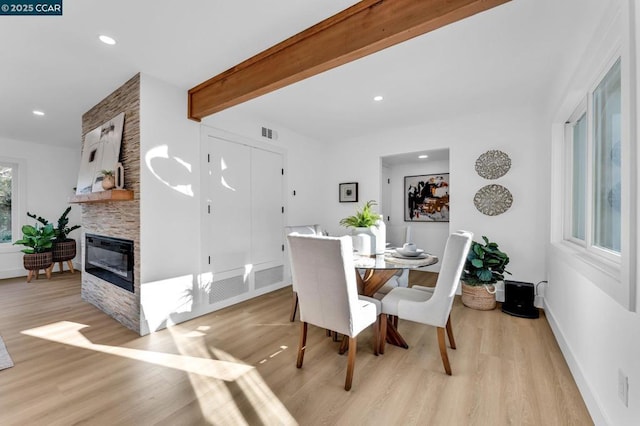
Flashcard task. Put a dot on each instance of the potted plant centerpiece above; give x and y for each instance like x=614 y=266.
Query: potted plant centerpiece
x=485 y=266
x=64 y=248
x=366 y=222
x=38 y=254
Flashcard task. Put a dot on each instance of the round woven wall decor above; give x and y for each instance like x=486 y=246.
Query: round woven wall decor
x=493 y=164
x=493 y=200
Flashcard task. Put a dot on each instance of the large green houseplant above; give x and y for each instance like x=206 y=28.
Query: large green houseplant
x=38 y=241
x=485 y=265
x=64 y=248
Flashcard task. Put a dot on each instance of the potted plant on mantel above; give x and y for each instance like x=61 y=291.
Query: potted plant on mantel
x=64 y=248
x=485 y=266
x=366 y=221
x=38 y=254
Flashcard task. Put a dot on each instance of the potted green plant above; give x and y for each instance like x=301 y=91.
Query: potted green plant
x=364 y=218
x=485 y=265
x=108 y=179
x=64 y=248
x=38 y=254
x=368 y=222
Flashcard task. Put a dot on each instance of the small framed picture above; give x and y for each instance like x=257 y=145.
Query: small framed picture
x=349 y=192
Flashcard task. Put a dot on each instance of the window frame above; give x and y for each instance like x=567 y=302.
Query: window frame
x=18 y=195
x=613 y=260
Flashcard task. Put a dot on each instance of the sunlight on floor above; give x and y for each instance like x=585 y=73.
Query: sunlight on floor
x=226 y=387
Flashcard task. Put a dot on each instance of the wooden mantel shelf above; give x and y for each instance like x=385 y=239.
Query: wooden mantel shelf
x=103 y=196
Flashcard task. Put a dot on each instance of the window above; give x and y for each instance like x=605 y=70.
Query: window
x=7 y=191
x=594 y=177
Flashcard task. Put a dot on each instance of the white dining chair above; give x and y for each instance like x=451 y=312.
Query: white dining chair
x=431 y=308
x=324 y=273
x=301 y=230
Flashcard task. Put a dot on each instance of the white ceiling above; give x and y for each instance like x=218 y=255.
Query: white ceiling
x=504 y=57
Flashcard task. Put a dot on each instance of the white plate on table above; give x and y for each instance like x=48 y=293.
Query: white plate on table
x=409 y=253
x=418 y=256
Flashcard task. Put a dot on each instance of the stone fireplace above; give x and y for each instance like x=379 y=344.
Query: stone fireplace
x=116 y=220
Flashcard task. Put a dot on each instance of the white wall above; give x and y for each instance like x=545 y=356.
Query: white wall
x=169 y=205
x=174 y=288
x=598 y=336
x=521 y=231
x=50 y=176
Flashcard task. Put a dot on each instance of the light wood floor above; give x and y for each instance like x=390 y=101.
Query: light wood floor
x=237 y=366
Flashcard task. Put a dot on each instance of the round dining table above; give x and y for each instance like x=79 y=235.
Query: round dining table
x=373 y=272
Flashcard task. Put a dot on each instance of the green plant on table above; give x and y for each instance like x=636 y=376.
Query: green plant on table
x=363 y=218
x=485 y=264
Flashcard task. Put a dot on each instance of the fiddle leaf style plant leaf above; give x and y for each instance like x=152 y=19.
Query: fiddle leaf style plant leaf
x=62 y=231
x=363 y=218
x=485 y=264
x=37 y=239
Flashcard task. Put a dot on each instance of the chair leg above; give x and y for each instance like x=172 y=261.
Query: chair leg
x=395 y=321
x=344 y=345
x=452 y=341
x=351 y=362
x=303 y=344
x=376 y=336
x=383 y=333
x=443 y=351
x=294 y=307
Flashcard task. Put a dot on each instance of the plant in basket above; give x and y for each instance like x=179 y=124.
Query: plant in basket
x=64 y=248
x=38 y=241
x=485 y=265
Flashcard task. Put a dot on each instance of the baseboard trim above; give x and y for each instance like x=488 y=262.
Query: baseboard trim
x=593 y=405
x=13 y=273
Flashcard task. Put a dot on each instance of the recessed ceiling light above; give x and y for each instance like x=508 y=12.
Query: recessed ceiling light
x=36 y=112
x=107 y=40
x=423 y=156
x=378 y=98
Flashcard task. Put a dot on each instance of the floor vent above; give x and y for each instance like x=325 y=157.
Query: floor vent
x=228 y=288
x=268 y=277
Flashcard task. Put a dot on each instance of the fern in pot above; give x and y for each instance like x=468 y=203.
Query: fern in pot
x=485 y=265
x=368 y=229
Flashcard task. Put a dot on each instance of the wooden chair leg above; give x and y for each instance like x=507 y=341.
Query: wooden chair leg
x=395 y=321
x=303 y=344
x=383 y=333
x=452 y=341
x=344 y=345
x=294 y=307
x=443 y=350
x=351 y=363
x=70 y=264
x=376 y=336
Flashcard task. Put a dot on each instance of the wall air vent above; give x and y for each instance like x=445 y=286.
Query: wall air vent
x=269 y=133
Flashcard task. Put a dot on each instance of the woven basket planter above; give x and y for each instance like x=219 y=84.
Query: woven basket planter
x=37 y=261
x=64 y=250
x=481 y=297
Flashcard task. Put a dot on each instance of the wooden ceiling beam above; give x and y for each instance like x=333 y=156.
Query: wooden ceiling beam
x=364 y=28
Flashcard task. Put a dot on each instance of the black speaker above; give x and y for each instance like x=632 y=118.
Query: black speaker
x=518 y=299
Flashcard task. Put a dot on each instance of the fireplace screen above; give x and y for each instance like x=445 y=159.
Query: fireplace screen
x=110 y=259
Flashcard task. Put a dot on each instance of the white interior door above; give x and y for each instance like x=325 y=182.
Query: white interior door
x=266 y=207
x=229 y=224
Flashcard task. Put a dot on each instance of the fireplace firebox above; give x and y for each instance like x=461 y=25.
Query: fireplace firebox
x=110 y=259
